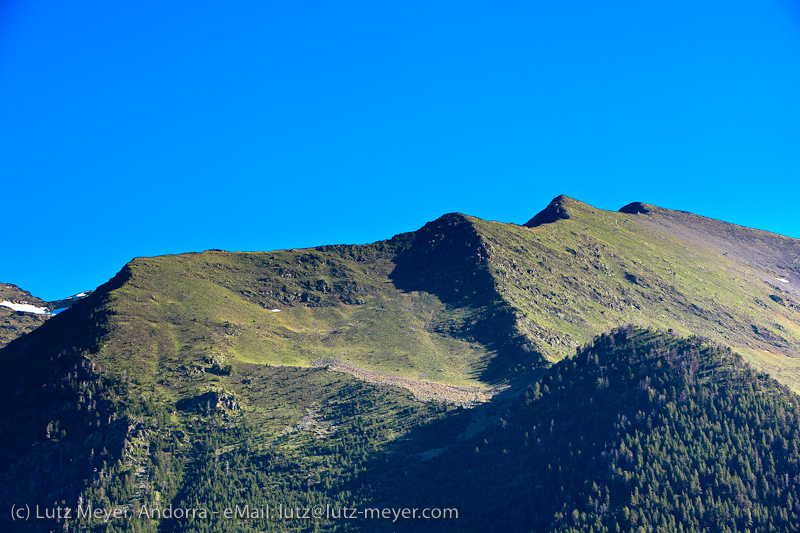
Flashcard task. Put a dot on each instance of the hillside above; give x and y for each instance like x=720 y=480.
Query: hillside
x=288 y=376
x=464 y=301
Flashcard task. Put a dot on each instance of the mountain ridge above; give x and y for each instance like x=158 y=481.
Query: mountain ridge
x=777 y=254
x=453 y=259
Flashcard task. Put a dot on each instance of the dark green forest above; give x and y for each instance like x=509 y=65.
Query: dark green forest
x=639 y=431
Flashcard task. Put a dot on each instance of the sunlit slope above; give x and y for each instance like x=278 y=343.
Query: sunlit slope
x=582 y=271
x=775 y=257
x=205 y=312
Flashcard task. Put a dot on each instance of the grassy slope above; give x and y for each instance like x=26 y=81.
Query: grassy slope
x=134 y=384
x=179 y=315
x=577 y=277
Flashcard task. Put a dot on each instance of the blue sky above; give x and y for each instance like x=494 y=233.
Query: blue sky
x=130 y=129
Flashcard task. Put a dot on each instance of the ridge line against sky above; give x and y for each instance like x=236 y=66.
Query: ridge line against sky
x=149 y=129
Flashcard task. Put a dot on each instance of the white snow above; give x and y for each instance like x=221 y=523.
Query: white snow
x=28 y=308
x=275 y=311
x=783 y=280
x=57 y=311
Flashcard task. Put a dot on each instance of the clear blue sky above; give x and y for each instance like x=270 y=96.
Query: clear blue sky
x=146 y=128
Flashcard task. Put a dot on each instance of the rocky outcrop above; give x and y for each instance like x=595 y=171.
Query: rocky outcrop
x=423 y=390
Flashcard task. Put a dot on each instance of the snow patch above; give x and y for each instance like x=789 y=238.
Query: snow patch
x=27 y=308
x=81 y=295
x=783 y=280
x=274 y=310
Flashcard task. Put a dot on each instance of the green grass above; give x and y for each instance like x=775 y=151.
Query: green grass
x=178 y=313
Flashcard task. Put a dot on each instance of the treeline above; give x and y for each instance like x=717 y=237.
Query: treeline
x=219 y=461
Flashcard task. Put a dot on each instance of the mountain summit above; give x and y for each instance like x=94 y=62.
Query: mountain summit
x=636 y=208
x=558 y=209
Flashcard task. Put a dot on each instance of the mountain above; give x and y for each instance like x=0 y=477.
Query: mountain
x=14 y=323
x=21 y=312
x=333 y=374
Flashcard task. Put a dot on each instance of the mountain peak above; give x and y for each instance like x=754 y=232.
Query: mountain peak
x=12 y=293
x=635 y=208
x=560 y=208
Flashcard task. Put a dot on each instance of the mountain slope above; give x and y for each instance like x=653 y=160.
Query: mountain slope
x=638 y=431
x=461 y=302
x=775 y=256
x=587 y=271
x=79 y=431
x=135 y=385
